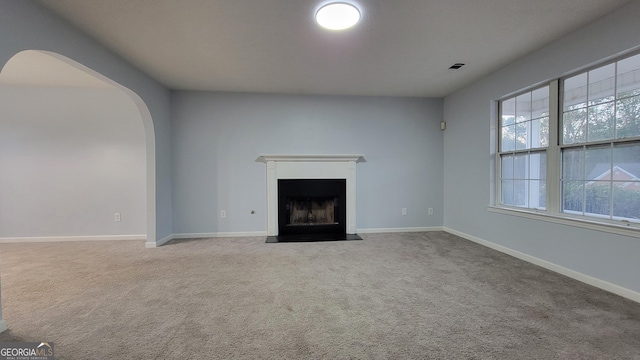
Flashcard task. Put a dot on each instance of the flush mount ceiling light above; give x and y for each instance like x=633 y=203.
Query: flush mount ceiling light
x=337 y=16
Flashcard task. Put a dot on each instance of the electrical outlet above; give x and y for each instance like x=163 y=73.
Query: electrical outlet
x=116 y=216
x=223 y=214
x=430 y=211
x=404 y=211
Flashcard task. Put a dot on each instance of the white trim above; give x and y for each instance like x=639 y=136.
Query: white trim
x=154 y=244
x=264 y=233
x=629 y=230
x=219 y=235
x=3 y=325
x=272 y=198
x=322 y=158
x=399 y=230
x=604 y=285
x=351 y=198
x=553 y=152
x=7 y=240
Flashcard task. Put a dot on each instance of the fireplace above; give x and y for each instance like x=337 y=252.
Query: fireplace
x=318 y=184
x=311 y=206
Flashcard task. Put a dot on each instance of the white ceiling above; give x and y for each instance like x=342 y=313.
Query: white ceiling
x=35 y=68
x=400 y=48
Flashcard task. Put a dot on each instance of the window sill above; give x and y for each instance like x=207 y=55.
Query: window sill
x=630 y=229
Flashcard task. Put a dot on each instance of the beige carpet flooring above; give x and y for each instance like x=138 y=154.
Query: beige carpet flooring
x=390 y=296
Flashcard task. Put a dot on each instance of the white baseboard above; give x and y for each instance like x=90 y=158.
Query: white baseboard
x=7 y=240
x=3 y=325
x=604 y=285
x=398 y=230
x=152 y=244
x=155 y=244
x=219 y=235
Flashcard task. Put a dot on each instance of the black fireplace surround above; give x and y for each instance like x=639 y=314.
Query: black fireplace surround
x=312 y=210
x=312 y=206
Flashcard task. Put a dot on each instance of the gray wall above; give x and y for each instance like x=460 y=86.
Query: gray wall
x=24 y=25
x=216 y=138
x=467 y=148
x=70 y=158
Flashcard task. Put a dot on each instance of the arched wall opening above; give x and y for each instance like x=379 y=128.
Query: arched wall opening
x=77 y=81
x=79 y=147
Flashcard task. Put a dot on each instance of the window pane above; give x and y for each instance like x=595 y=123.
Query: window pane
x=572 y=196
x=601 y=122
x=626 y=200
x=575 y=92
x=508 y=112
x=598 y=163
x=540 y=103
x=522 y=135
x=540 y=133
x=508 y=138
x=597 y=195
x=521 y=168
x=538 y=166
x=506 y=166
x=601 y=84
x=574 y=126
x=520 y=192
x=523 y=107
x=573 y=164
x=626 y=162
x=507 y=192
x=629 y=77
x=538 y=194
x=628 y=117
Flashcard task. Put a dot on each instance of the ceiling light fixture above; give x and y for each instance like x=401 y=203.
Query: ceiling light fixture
x=338 y=16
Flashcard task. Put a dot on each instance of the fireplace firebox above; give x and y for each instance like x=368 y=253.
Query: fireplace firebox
x=311 y=206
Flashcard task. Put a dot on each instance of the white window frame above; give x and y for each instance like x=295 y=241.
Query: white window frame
x=528 y=151
x=553 y=212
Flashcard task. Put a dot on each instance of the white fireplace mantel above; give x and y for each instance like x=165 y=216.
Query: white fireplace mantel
x=317 y=158
x=310 y=167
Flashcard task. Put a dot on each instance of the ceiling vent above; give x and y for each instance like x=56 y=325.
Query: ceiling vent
x=456 y=66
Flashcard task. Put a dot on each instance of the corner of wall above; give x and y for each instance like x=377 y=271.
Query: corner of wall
x=153 y=243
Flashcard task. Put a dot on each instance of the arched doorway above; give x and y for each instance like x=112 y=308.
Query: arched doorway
x=69 y=73
x=48 y=69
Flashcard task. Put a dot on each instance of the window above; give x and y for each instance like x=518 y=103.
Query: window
x=600 y=147
x=524 y=124
x=581 y=160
